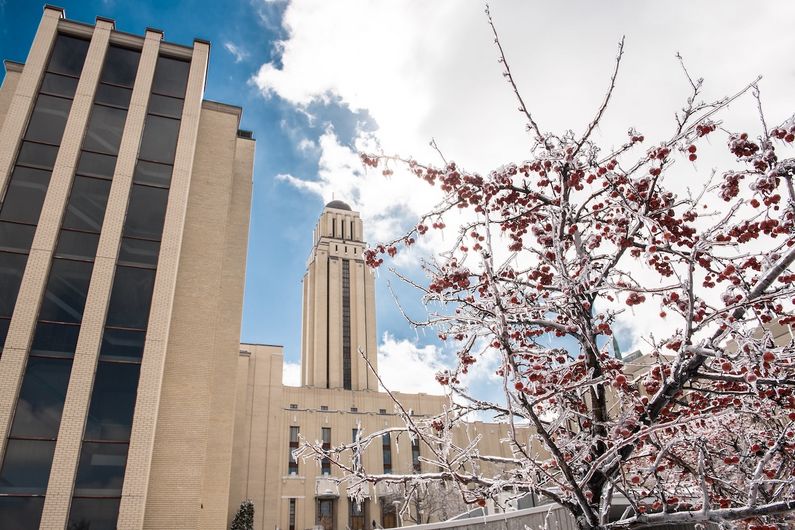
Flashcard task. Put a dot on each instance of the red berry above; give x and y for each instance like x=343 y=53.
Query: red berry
x=768 y=357
x=691 y=149
x=692 y=157
x=789 y=138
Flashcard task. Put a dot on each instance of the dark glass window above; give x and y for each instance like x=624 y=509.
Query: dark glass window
x=96 y=165
x=59 y=85
x=159 y=141
x=346 y=325
x=152 y=174
x=68 y=55
x=386 y=445
x=146 y=212
x=67 y=288
x=77 y=245
x=86 y=207
x=325 y=514
x=55 y=340
x=165 y=106
x=41 y=398
x=415 y=456
x=325 y=463
x=292 y=515
x=25 y=195
x=113 y=95
x=388 y=514
x=12 y=267
x=100 y=472
x=120 y=66
x=26 y=467
x=37 y=155
x=16 y=237
x=355 y=515
x=112 y=402
x=130 y=298
x=171 y=77
x=122 y=345
x=292 y=463
x=138 y=252
x=48 y=119
x=21 y=513
x=104 y=130
x=94 y=514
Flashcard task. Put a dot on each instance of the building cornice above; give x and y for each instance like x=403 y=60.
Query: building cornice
x=13 y=66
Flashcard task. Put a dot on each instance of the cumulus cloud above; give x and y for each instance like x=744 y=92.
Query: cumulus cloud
x=425 y=70
x=291 y=374
x=237 y=51
x=305 y=144
x=404 y=366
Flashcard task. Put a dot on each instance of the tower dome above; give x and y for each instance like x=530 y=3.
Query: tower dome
x=339 y=205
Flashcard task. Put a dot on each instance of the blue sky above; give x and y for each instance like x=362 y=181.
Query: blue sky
x=282 y=217
x=319 y=80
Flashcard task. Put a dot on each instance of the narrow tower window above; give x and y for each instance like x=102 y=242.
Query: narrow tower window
x=325 y=464
x=415 y=456
x=292 y=463
x=386 y=445
x=346 y=325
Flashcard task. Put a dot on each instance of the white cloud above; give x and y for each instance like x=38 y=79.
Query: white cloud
x=382 y=203
x=404 y=366
x=291 y=374
x=237 y=51
x=426 y=70
x=305 y=144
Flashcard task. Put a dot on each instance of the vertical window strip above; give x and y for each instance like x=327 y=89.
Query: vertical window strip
x=346 y=325
x=25 y=470
x=325 y=464
x=23 y=197
x=292 y=463
x=386 y=446
x=97 y=492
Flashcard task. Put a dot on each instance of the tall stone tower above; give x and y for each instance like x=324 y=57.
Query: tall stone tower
x=339 y=305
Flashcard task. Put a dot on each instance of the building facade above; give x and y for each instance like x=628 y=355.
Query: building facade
x=123 y=231
x=338 y=397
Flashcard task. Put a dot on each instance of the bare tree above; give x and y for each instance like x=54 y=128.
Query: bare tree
x=438 y=502
x=560 y=245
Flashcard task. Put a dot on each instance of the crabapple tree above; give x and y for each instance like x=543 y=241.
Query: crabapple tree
x=562 y=245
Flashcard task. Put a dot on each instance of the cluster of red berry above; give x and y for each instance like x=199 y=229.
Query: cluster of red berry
x=703 y=129
x=784 y=134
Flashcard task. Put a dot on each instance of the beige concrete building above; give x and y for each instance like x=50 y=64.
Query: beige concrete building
x=123 y=231
x=123 y=234
x=337 y=396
